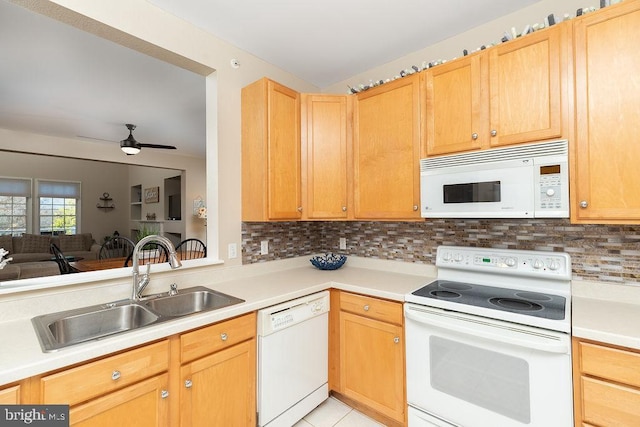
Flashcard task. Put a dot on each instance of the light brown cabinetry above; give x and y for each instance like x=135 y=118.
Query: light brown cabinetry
x=606 y=384
x=113 y=390
x=605 y=186
x=10 y=395
x=370 y=355
x=386 y=147
x=270 y=152
x=218 y=374
x=512 y=93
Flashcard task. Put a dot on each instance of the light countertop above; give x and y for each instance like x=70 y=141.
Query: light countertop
x=22 y=356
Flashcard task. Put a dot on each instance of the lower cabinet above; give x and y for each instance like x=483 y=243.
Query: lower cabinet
x=370 y=358
x=10 y=395
x=606 y=385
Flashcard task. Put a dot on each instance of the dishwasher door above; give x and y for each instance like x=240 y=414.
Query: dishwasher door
x=292 y=359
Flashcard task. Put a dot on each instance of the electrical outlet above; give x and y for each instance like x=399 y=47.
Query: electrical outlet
x=343 y=243
x=233 y=250
x=264 y=247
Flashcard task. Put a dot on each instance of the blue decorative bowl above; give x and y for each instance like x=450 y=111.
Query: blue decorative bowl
x=328 y=261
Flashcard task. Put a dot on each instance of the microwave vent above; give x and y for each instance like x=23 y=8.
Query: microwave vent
x=540 y=149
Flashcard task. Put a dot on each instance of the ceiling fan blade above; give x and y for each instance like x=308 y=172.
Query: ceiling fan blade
x=167 y=147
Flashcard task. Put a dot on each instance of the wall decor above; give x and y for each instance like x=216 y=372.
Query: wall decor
x=152 y=195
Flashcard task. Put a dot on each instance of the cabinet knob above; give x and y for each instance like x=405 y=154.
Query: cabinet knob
x=584 y=204
x=344 y=209
x=164 y=394
x=396 y=340
x=494 y=132
x=115 y=375
x=223 y=336
x=366 y=307
x=188 y=383
x=474 y=136
x=415 y=208
x=299 y=208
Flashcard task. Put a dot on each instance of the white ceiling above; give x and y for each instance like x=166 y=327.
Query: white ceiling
x=58 y=80
x=328 y=41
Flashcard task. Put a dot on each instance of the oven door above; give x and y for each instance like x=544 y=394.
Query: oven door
x=490 y=190
x=474 y=371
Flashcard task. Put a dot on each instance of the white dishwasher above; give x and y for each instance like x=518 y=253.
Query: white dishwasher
x=293 y=339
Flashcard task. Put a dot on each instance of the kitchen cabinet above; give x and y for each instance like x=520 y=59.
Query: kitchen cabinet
x=604 y=179
x=218 y=374
x=512 y=93
x=326 y=156
x=270 y=152
x=10 y=395
x=370 y=356
x=129 y=388
x=386 y=150
x=606 y=384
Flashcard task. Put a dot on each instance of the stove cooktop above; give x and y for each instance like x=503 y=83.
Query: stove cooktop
x=527 y=303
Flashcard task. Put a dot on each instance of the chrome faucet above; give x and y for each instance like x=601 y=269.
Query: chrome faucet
x=140 y=281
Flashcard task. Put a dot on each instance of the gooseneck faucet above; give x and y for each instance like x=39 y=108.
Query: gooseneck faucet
x=140 y=281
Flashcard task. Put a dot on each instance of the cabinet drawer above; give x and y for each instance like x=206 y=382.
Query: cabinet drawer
x=610 y=363
x=607 y=404
x=103 y=376
x=216 y=337
x=386 y=311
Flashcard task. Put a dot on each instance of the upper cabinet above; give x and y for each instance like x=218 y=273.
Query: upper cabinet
x=512 y=93
x=270 y=152
x=326 y=156
x=605 y=184
x=386 y=151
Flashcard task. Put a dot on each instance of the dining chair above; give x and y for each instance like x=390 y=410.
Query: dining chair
x=116 y=247
x=191 y=249
x=151 y=253
x=63 y=262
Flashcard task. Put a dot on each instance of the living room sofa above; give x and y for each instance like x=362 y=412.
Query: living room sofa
x=32 y=256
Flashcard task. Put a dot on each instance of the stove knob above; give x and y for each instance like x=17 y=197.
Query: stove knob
x=555 y=265
x=457 y=257
x=446 y=256
x=537 y=264
x=510 y=262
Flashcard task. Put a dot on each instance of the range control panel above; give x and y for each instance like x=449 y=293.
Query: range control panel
x=529 y=263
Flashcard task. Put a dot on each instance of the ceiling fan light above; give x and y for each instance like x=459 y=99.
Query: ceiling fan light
x=130 y=150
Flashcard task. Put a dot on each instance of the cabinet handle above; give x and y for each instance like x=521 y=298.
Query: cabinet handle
x=366 y=307
x=299 y=208
x=223 y=336
x=474 y=136
x=494 y=132
x=396 y=340
x=188 y=383
x=344 y=209
x=164 y=394
x=584 y=204
x=415 y=208
x=115 y=375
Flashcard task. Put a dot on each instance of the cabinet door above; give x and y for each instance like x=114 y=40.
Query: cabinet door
x=325 y=151
x=10 y=395
x=142 y=404
x=387 y=151
x=456 y=113
x=605 y=184
x=372 y=364
x=525 y=88
x=270 y=152
x=220 y=389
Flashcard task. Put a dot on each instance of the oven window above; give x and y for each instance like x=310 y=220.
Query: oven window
x=472 y=192
x=491 y=380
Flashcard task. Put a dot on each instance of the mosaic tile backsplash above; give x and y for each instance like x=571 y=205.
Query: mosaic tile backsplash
x=608 y=253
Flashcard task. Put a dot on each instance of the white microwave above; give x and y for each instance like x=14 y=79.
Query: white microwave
x=524 y=181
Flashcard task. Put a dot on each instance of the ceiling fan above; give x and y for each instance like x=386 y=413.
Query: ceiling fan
x=130 y=146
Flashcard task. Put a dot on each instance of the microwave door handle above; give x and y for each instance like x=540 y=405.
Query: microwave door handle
x=485 y=332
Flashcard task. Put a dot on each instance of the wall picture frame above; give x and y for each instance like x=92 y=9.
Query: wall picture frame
x=152 y=195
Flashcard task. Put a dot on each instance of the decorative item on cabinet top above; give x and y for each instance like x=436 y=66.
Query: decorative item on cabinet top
x=328 y=261
x=106 y=198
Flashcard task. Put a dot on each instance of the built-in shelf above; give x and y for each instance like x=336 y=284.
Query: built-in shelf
x=136 y=202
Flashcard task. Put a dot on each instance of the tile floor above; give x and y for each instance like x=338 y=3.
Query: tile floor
x=332 y=413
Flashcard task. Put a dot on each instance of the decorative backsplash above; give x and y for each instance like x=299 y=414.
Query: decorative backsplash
x=608 y=253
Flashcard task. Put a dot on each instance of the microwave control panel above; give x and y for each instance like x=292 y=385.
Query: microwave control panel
x=552 y=188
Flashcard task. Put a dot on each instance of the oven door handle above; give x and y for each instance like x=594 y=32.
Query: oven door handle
x=490 y=331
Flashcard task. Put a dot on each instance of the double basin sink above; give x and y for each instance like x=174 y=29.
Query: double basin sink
x=65 y=328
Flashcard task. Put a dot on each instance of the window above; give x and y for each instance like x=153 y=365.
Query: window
x=58 y=207
x=15 y=194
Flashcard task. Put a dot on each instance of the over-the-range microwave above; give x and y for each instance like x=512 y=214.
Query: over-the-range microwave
x=523 y=181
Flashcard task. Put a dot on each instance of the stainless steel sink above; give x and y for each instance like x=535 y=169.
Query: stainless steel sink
x=190 y=301
x=65 y=328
